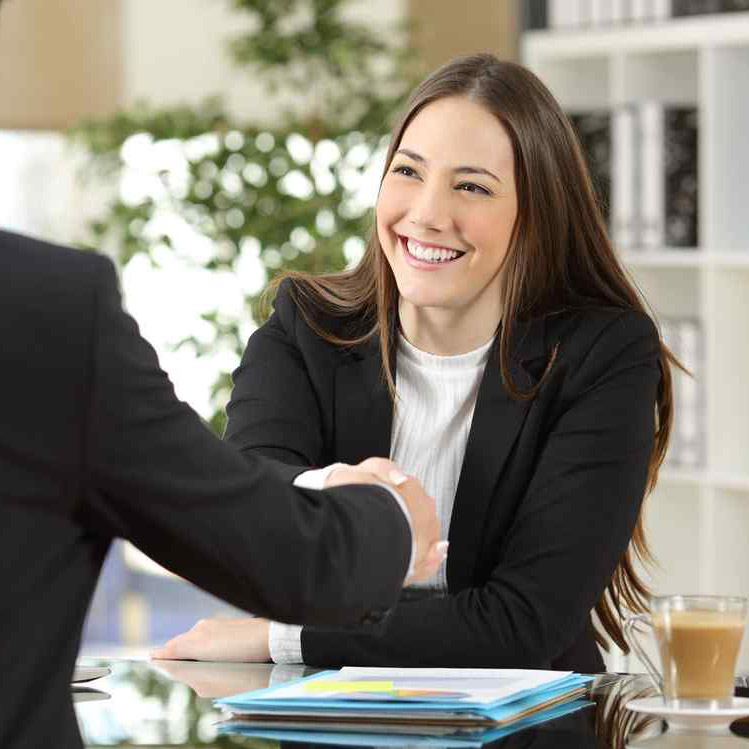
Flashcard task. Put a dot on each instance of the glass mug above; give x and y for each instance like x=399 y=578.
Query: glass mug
x=698 y=639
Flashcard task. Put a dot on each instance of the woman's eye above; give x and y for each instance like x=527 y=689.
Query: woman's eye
x=471 y=187
x=406 y=171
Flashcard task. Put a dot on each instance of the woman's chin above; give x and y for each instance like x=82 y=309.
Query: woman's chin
x=418 y=298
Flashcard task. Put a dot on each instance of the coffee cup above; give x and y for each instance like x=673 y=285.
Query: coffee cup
x=698 y=639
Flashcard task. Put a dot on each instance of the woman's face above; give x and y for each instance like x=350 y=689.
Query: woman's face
x=447 y=207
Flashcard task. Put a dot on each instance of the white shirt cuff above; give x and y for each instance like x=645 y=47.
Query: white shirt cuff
x=315 y=479
x=285 y=643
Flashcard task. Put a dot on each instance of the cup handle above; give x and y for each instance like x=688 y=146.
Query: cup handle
x=630 y=635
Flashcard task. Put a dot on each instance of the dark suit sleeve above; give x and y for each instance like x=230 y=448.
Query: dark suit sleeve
x=232 y=525
x=570 y=531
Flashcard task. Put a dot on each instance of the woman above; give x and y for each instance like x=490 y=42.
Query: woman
x=490 y=343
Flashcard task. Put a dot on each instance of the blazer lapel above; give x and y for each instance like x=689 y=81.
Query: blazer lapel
x=363 y=409
x=497 y=421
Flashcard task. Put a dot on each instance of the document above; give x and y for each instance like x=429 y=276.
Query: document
x=409 y=700
x=462 y=685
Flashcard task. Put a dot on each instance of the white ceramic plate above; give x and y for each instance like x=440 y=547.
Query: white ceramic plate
x=692 y=718
x=81 y=673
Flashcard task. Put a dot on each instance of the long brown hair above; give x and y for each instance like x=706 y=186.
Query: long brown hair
x=559 y=257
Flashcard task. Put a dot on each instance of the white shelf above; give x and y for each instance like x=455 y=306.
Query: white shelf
x=676 y=477
x=681 y=477
x=697 y=519
x=729 y=482
x=691 y=33
x=731 y=260
x=685 y=258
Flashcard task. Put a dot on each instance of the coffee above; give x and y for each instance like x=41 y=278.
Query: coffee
x=698 y=652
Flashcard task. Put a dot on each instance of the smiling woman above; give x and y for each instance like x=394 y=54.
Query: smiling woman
x=490 y=344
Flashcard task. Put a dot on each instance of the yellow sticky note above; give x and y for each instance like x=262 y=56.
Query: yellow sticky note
x=348 y=686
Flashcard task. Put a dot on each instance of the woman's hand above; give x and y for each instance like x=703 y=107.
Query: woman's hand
x=220 y=640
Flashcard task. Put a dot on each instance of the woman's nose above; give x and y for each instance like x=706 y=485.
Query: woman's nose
x=429 y=209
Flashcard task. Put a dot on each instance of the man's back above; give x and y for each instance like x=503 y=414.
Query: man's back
x=93 y=445
x=47 y=300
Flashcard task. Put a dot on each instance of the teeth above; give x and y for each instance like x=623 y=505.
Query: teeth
x=430 y=254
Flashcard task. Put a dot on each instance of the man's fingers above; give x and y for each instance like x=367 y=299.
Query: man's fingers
x=385 y=470
x=379 y=466
x=369 y=471
x=349 y=475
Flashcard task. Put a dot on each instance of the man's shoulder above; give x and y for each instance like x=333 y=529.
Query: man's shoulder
x=22 y=256
x=46 y=287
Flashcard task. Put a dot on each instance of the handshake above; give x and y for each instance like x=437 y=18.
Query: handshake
x=430 y=550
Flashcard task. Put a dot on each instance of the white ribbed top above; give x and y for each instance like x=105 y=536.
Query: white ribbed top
x=432 y=419
x=436 y=397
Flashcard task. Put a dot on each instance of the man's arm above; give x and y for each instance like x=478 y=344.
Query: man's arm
x=234 y=526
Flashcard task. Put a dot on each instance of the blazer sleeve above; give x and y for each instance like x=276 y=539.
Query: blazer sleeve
x=571 y=529
x=233 y=525
x=273 y=410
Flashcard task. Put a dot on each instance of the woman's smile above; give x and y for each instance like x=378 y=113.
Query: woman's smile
x=428 y=257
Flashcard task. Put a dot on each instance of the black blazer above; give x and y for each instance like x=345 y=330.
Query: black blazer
x=548 y=496
x=94 y=444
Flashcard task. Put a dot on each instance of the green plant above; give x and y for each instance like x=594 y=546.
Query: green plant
x=229 y=196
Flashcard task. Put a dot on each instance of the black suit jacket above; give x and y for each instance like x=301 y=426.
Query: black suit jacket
x=94 y=444
x=548 y=496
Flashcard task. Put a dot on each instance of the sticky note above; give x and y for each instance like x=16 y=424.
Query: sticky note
x=322 y=685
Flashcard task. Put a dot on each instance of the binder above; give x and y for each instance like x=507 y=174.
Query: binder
x=593 y=129
x=625 y=208
x=669 y=164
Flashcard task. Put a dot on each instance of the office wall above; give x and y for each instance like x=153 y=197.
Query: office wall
x=59 y=60
x=446 y=29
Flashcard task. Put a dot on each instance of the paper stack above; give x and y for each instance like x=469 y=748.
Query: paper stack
x=467 y=703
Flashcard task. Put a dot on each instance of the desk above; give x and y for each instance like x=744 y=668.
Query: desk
x=169 y=703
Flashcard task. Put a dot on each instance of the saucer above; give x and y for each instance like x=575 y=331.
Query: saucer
x=81 y=673
x=692 y=718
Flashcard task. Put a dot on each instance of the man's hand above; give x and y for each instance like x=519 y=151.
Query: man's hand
x=430 y=551
x=220 y=640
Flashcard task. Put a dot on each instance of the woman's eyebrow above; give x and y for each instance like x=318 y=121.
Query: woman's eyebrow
x=458 y=169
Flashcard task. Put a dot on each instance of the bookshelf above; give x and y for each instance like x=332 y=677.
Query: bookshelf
x=698 y=516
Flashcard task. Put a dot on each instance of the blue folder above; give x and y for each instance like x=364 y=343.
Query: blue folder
x=498 y=712
x=459 y=739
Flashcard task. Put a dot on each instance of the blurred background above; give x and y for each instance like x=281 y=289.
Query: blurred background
x=206 y=145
